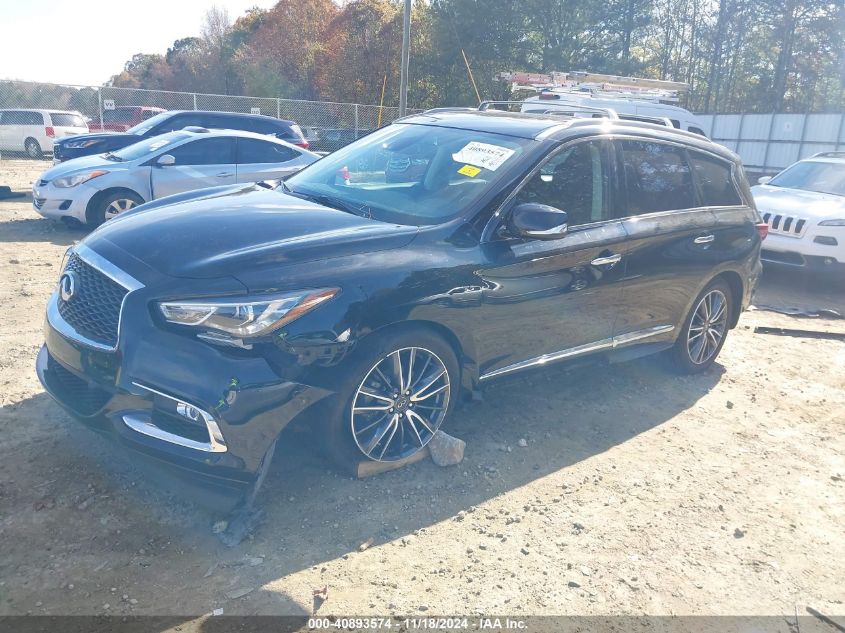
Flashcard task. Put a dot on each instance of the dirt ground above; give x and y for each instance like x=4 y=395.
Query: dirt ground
x=638 y=491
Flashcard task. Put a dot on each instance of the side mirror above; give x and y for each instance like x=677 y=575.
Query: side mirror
x=762 y=180
x=165 y=160
x=538 y=221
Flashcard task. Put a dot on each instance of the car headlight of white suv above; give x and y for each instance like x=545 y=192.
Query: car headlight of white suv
x=833 y=222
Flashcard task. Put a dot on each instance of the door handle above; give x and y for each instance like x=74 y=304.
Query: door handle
x=704 y=239
x=607 y=261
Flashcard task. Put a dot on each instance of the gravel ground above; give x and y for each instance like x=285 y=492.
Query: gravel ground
x=637 y=491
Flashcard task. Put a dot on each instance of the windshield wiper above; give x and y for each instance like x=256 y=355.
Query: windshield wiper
x=330 y=201
x=113 y=157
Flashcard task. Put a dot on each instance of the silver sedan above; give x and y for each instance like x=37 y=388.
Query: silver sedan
x=93 y=189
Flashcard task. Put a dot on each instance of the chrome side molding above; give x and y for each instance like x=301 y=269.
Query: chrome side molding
x=607 y=343
x=142 y=423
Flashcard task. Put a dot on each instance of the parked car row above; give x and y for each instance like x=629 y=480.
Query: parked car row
x=373 y=291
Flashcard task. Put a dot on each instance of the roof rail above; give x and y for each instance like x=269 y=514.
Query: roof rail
x=563 y=109
x=829 y=155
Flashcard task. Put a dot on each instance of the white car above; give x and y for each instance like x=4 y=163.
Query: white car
x=34 y=131
x=93 y=189
x=804 y=206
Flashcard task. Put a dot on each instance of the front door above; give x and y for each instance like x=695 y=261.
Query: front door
x=206 y=162
x=546 y=300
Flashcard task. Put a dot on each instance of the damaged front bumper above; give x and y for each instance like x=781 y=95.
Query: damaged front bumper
x=200 y=413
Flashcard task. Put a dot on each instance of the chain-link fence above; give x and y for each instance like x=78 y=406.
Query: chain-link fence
x=327 y=125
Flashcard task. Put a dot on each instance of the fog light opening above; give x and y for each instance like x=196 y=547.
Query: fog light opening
x=187 y=411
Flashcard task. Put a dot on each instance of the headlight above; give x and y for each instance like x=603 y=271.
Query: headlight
x=80 y=144
x=78 y=179
x=832 y=223
x=245 y=319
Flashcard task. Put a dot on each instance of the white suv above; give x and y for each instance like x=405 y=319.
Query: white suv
x=804 y=206
x=34 y=131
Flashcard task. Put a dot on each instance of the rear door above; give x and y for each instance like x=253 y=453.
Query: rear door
x=262 y=160
x=205 y=162
x=671 y=239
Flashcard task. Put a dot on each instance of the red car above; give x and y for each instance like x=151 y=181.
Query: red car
x=123 y=118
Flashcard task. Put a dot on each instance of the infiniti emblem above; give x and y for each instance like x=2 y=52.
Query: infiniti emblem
x=67 y=286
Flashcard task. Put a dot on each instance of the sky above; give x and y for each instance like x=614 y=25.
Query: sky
x=62 y=41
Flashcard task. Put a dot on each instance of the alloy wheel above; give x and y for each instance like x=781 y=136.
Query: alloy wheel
x=119 y=206
x=707 y=327
x=400 y=404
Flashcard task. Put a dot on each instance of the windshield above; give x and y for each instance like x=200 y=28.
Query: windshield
x=813 y=176
x=146 y=126
x=144 y=149
x=410 y=174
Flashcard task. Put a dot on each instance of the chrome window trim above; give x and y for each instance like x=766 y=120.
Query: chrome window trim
x=606 y=343
x=99 y=263
x=142 y=423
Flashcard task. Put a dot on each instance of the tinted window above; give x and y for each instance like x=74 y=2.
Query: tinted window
x=207 y=151
x=697 y=130
x=21 y=117
x=657 y=177
x=61 y=119
x=178 y=122
x=118 y=115
x=714 y=181
x=149 y=147
x=254 y=151
x=813 y=176
x=676 y=123
x=575 y=180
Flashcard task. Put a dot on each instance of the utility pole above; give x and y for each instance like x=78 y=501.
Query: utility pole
x=406 y=55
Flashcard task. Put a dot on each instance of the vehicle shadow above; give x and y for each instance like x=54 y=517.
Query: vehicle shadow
x=40 y=230
x=315 y=514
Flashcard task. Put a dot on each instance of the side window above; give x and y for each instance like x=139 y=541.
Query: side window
x=714 y=181
x=697 y=130
x=657 y=177
x=179 y=122
x=254 y=151
x=33 y=118
x=575 y=180
x=676 y=123
x=207 y=151
x=146 y=114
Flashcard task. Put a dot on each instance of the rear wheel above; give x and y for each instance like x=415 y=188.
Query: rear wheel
x=705 y=329
x=111 y=206
x=33 y=148
x=396 y=393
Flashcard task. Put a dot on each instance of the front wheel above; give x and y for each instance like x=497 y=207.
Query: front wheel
x=396 y=393
x=704 y=331
x=111 y=206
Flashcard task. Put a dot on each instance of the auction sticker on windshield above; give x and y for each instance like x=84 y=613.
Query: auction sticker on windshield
x=483 y=155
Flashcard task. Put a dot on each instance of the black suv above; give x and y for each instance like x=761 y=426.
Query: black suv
x=99 y=143
x=196 y=328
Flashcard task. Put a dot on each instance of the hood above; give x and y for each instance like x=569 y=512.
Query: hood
x=82 y=164
x=114 y=137
x=231 y=229
x=798 y=203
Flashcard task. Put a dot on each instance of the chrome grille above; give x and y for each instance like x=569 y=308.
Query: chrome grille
x=94 y=309
x=38 y=202
x=785 y=224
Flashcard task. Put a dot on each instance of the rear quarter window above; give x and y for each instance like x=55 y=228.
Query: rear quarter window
x=62 y=119
x=715 y=181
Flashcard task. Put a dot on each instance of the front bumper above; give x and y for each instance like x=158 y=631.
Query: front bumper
x=204 y=415
x=805 y=252
x=56 y=203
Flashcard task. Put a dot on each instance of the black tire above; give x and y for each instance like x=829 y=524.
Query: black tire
x=336 y=420
x=697 y=348
x=33 y=148
x=101 y=209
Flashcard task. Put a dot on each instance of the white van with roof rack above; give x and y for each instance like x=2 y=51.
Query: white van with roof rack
x=627 y=108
